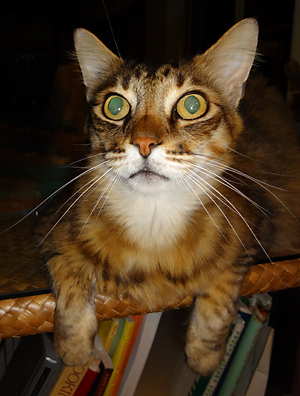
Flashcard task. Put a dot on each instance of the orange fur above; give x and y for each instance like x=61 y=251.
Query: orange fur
x=170 y=205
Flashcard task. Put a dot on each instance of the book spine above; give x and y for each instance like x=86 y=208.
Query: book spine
x=121 y=357
x=231 y=344
x=87 y=380
x=138 y=320
x=104 y=381
x=117 y=337
x=242 y=354
x=259 y=381
x=111 y=335
x=139 y=353
x=252 y=362
x=69 y=380
x=103 y=329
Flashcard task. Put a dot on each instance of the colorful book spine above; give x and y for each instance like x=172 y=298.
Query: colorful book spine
x=114 y=342
x=139 y=353
x=111 y=334
x=103 y=329
x=122 y=354
x=70 y=379
x=259 y=380
x=260 y=310
x=253 y=361
x=88 y=379
x=106 y=373
x=105 y=369
x=231 y=344
x=107 y=330
x=199 y=386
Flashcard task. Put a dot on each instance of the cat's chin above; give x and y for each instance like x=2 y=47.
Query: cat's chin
x=148 y=175
x=146 y=180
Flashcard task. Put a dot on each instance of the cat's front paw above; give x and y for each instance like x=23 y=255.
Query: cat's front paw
x=202 y=360
x=75 y=350
x=74 y=338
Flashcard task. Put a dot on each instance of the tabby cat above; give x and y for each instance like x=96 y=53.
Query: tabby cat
x=189 y=181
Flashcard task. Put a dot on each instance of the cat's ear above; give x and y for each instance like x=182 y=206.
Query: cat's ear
x=96 y=61
x=229 y=61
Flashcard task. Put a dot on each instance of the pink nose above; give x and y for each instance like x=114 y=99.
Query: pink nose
x=145 y=144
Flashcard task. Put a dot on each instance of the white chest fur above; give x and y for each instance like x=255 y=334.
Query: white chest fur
x=153 y=220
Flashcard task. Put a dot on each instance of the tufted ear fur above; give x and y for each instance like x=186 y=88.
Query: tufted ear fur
x=229 y=61
x=95 y=59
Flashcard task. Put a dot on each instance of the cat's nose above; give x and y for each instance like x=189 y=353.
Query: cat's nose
x=145 y=144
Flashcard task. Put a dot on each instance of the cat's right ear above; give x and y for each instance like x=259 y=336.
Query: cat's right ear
x=229 y=61
x=95 y=59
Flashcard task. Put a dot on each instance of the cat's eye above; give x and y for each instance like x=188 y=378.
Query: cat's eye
x=116 y=107
x=191 y=106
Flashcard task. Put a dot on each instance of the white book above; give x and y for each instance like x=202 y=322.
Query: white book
x=139 y=354
x=259 y=380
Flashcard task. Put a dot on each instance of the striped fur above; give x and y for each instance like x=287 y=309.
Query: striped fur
x=169 y=206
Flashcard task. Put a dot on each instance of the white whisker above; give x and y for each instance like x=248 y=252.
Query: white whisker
x=262 y=184
x=85 y=158
x=96 y=204
x=191 y=190
x=73 y=203
x=210 y=194
x=226 y=183
x=55 y=193
x=236 y=211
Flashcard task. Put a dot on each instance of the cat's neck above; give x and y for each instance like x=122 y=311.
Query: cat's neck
x=154 y=220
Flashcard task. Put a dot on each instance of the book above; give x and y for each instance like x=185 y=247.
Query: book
x=113 y=335
x=70 y=379
x=260 y=310
x=114 y=339
x=88 y=379
x=36 y=377
x=8 y=347
x=245 y=313
x=230 y=346
x=103 y=330
x=139 y=354
x=253 y=361
x=107 y=330
x=199 y=386
x=121 y=356
x=259 y=380
x=166 y=371
x=105 y=367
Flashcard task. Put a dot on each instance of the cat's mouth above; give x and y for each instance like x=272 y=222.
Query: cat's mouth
x=147 y=173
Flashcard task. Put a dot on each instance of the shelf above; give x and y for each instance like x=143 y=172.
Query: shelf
x=27 y=304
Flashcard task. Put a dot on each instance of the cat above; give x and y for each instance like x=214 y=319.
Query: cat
x=190 y=179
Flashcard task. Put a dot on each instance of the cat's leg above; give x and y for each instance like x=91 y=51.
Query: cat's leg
x=75 y=322
x=210 y=321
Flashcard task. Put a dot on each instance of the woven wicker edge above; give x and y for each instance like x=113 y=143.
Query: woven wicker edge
x=35 y=314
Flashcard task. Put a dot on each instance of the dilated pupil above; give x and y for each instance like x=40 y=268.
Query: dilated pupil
x=192 y=104
x=115 y=105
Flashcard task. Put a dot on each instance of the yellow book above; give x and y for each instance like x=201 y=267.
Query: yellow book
x=119 y=357
x=70 y=379
x=103 y=330
x=111 y=334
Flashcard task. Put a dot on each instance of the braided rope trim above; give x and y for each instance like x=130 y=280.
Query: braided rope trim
x=35 y=314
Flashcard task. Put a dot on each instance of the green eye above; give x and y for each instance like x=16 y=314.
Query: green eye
x=116 y=107
x=191 y=106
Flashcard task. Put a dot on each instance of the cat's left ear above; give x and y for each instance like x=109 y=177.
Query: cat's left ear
x=95 y=59
x=229 y=61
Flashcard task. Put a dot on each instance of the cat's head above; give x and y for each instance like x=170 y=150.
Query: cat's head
x=154 y=124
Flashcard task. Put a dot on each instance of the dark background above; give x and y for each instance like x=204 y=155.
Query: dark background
x=36 y=37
